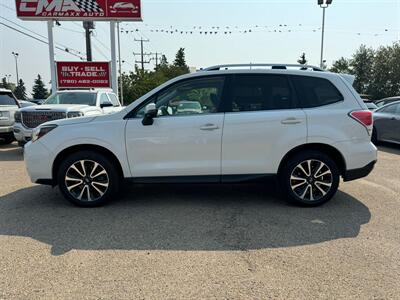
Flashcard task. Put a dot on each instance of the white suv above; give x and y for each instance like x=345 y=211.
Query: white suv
x=306 y=127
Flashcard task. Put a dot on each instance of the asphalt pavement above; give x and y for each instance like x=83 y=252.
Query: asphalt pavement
x=200 y=241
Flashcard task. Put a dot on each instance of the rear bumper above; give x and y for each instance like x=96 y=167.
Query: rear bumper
x=359 y=173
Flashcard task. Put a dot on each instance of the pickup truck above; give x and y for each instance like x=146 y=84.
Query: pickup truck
x=8 y=106
x=63 y=105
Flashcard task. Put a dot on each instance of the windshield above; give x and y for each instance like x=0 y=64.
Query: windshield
x=73 y=98
x=7 y=99
x=189 y=105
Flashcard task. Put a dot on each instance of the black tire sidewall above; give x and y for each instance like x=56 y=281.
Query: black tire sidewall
x=96 y=157
x=297 y=159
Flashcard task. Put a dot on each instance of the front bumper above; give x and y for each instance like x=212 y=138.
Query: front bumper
x=21 y=133
x=360 y=172
x=38 y=162
x=6 y=129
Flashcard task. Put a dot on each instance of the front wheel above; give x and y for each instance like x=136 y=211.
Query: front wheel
x=310 y=178
x=88 y=179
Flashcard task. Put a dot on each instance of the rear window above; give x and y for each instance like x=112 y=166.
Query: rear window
x=315 y=92
x=7 y=99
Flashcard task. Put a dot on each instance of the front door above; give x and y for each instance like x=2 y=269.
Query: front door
x=185 y=138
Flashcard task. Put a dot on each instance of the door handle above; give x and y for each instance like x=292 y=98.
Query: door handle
x=291 y=121
x=209 y=127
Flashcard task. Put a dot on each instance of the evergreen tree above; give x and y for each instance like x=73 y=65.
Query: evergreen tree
x=5 y=84
x=20 y=90
x=302 y=59
x=39 y=90
x=361 y=64
x=180 y=60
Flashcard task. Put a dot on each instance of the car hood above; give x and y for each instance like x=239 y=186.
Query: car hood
x=55 y=107
x=72 y=121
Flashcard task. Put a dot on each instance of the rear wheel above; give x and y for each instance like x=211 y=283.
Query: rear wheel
x=88 y=179
x=310 y=178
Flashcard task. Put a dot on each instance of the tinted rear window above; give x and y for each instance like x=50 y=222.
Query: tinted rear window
x=260 y=92
x=7 y=99
x=313 y=92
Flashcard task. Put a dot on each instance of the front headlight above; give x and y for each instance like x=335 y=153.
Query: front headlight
x=4 y=115
x=75 y=114
x=42 y=131
x=17 y=117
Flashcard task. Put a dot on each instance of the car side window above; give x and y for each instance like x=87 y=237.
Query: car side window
x=114 y=100
x=190 y=97
x=391 y=109
x=314 y=92
x=257 y=92
x=104 y=99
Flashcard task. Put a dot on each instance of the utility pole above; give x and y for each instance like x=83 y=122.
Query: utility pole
x=89 y=26
x=157 y=54
x=142 y=54
x=16 y=55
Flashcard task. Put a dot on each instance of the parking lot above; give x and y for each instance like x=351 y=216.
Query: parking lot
x=200 y=241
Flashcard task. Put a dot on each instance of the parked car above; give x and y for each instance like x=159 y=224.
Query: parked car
x=371 y=106
x=8 y=106
x=387 y=124
x=189 y=107
x=307 y=128
x=64 y=104
x=385 y=101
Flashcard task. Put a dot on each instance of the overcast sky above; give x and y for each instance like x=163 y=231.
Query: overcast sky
x=281 y=30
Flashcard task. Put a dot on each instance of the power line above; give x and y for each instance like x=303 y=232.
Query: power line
x=39 y=40
x=42 y=36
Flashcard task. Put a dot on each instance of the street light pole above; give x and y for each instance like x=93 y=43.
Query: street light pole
x=16 y=55
x=324 y=5
x=322 y=38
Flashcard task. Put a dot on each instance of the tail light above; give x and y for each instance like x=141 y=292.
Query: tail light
x=364 y=117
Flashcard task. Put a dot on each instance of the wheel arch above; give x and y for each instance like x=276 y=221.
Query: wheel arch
x=333 y=152
x=85 y=147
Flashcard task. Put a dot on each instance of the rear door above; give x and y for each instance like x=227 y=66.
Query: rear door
x=262 y=123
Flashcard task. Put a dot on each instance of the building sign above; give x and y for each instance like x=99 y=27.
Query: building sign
x=99 y=10
x=74 y=75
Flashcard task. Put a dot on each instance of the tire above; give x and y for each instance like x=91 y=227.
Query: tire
x=93 y=187
x=305 y=188
x=7 y=139
x=374 y=138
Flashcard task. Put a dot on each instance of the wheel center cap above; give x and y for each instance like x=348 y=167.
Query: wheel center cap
x=87 y=180
x=310 y=180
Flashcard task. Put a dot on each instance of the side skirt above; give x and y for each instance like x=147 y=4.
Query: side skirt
x=245 y=178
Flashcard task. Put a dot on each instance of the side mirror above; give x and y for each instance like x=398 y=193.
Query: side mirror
x=106 y=104
x=150 y=113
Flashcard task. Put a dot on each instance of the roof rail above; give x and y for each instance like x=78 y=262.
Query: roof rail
x=272 y=66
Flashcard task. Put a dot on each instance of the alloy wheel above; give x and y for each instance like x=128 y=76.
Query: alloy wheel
x=311 y=180
x=87 y=180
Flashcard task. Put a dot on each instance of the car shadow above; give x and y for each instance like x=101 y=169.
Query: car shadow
x=389 y=148
x=11 y=152
x=179 y=217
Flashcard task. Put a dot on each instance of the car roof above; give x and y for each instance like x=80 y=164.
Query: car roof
x=85 y=91
x=5 y=90
x=319 y=74
x=389 y=104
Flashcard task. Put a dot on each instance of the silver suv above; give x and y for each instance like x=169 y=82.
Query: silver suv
x=8 y=106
